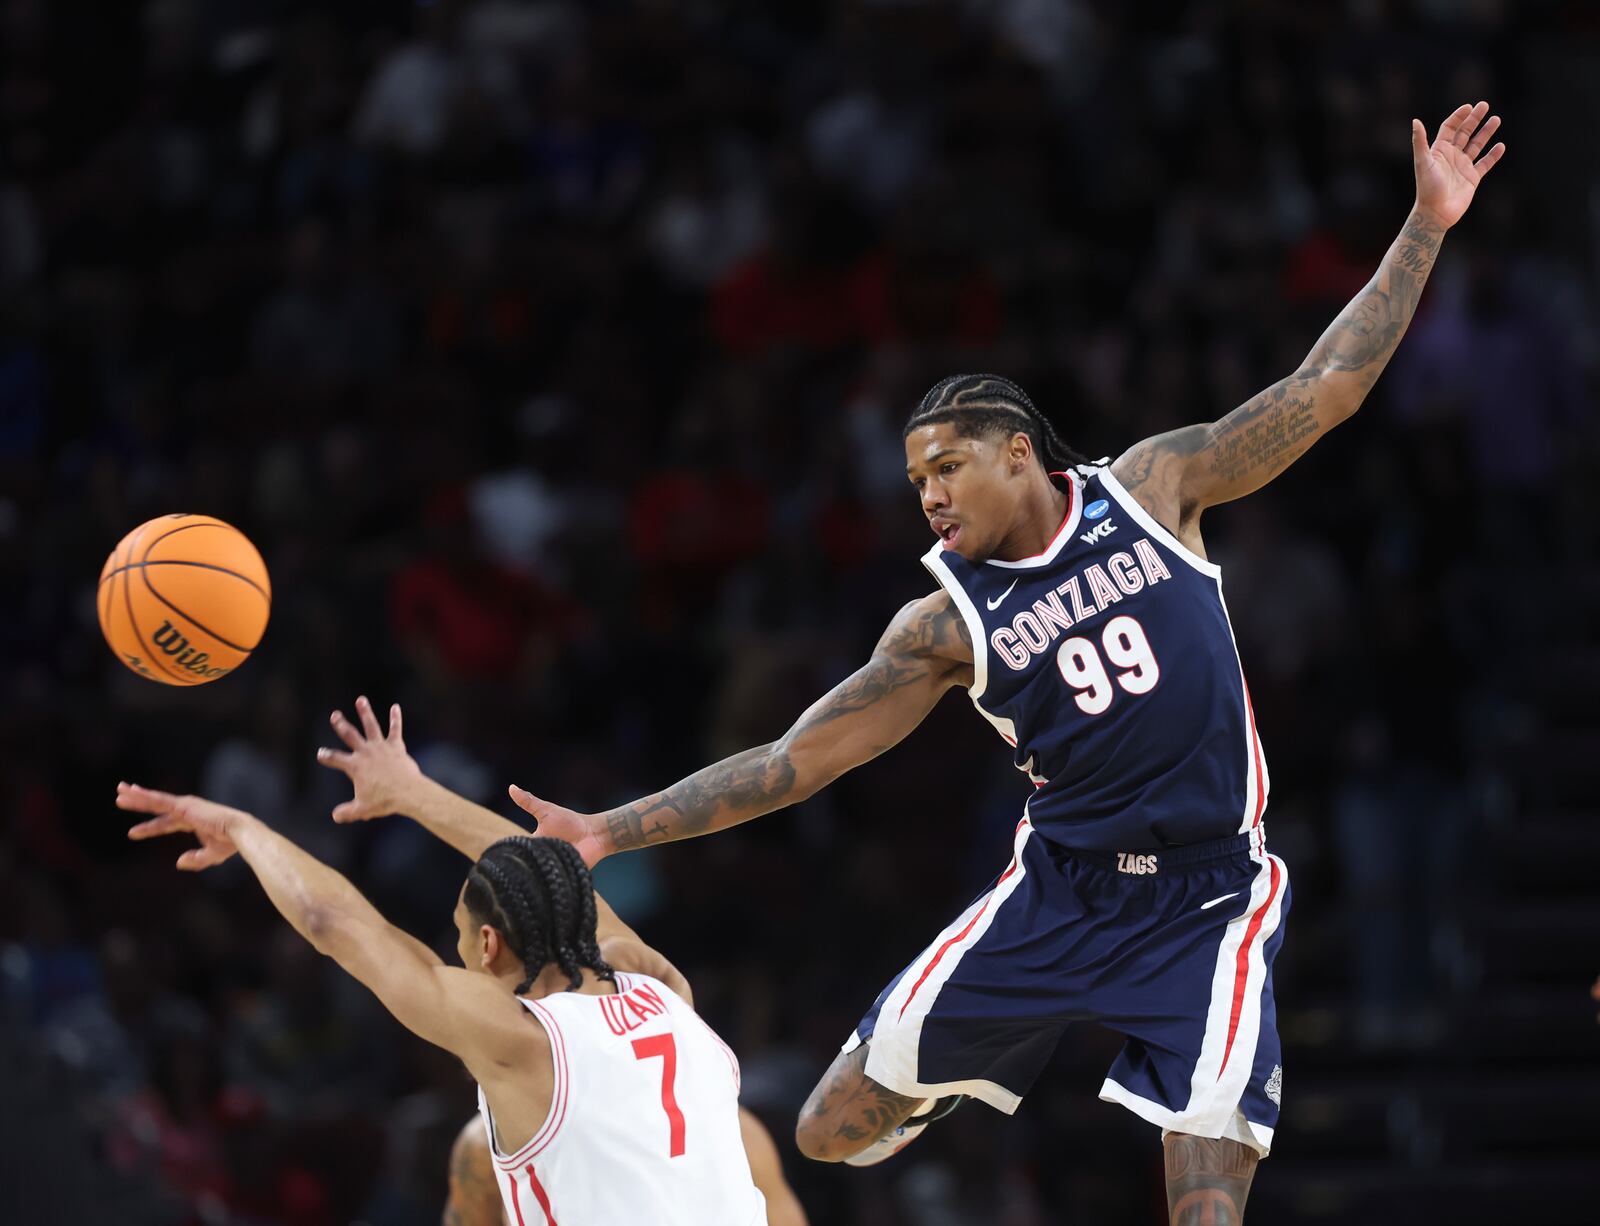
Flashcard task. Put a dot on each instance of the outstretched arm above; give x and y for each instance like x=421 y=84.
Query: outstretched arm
x=469 y=1014
x=1177 y=475
x=925 y=651
x=388 y=780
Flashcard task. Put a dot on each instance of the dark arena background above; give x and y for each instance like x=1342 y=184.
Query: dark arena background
x=555 y=355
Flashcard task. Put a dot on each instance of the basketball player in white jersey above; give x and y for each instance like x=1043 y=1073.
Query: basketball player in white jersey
x=475 y=1196
x=604 y=1095
x=388 y=780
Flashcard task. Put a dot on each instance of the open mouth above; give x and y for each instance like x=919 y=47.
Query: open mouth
x=947 y=532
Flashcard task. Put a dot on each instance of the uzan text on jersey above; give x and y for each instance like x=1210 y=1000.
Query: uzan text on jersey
x=630 y=1010
x=1090 y=592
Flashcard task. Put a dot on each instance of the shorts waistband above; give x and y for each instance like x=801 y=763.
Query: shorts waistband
x=1150 y=860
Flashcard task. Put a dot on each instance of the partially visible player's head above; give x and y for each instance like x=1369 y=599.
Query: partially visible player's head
x=974 y=446
x=536 y=898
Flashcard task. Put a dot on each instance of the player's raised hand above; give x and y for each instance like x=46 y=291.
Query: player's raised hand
x=208 y=821
x=558 y=823
x=1450 y=169
x=378 y=765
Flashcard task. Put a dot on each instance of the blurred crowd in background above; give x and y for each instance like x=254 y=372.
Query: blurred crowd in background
x=556 y=354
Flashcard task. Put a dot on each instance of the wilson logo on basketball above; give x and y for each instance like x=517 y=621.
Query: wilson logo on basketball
x=171 y=641
x=197 y=578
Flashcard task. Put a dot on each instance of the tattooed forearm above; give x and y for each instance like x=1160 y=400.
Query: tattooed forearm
x=1208 y=1179
x=741 y=787
x=1264 y=435
x=1175 y=474
x=1362 y=340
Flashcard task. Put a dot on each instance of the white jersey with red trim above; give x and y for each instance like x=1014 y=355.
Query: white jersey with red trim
x=643 y=1123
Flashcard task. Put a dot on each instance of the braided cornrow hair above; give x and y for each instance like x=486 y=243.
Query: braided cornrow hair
x=988 y=405
x=537 y=893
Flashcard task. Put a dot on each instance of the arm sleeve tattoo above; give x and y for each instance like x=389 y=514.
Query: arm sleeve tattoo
x=1199 y=466
x=925 y=650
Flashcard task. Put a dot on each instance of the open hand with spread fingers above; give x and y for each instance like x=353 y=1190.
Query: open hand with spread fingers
x=1450 y=169
x=377 y=764
x=213 y=824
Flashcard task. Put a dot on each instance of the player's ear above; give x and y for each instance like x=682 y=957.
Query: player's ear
x=1019 y=454
x=489 y=946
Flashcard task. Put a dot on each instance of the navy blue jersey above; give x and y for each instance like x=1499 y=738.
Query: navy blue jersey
x=1108 y=662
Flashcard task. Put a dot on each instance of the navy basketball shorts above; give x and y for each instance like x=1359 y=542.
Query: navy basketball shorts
x=1171 y=947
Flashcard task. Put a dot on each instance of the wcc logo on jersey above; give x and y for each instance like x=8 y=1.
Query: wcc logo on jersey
x=1097 y=533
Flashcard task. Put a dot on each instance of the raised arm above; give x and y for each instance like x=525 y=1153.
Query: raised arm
x=469 y=1014
x=387 y=779
x=1178 y=474
x=925 y=651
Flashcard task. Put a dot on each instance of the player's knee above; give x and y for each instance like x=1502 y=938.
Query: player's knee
x=817 y=1137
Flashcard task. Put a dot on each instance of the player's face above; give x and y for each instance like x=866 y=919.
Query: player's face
x=965 y=486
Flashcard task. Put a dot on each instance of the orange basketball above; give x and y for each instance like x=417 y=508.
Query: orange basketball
x=184 y=599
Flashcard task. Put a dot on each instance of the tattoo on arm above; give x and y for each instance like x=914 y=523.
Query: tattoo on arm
x=857 y=1107
x=935 y=630
x=932 y=641
x=1265 y=435
x=474 y=1195
x=1208 y=1179
x=1363 y=338
x=1200 y=465
x=750 y=783
x=906 y=654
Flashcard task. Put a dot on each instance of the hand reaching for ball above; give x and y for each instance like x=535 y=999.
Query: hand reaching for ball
x=213 y=824
x=377 y=764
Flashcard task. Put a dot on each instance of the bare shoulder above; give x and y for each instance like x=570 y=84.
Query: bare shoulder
x=1153 y=472
x=493 y=1031
x=929 y=628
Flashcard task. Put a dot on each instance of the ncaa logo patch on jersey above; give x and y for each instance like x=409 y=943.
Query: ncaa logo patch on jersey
x=1096 y=509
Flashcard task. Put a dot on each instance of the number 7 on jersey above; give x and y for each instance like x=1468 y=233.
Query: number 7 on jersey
x=665 y=1046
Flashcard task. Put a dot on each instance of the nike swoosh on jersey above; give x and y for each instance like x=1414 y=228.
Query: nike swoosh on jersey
x=1206 y=906
x=1000 y=599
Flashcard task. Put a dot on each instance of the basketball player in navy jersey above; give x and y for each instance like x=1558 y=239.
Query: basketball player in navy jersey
x=1077 y=607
